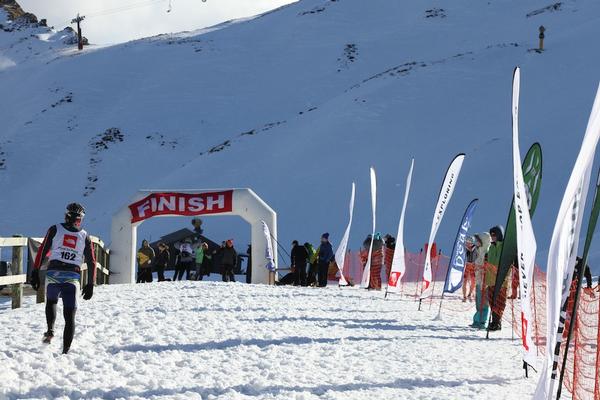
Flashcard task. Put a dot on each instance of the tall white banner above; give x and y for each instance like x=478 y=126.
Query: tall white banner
x=444 y=197
x=563 y=250
x=340 y=254
x=366 y=278
x=526 y=244
x=399 y=262
x=270 y=265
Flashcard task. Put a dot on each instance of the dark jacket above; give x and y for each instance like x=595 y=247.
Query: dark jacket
x=390 y=243
x=377 y=244
x=325 y=252
x=162 y=259
x=299 y=255
x=229 y=256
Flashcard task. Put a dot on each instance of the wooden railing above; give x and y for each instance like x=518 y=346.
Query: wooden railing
x=18 y=277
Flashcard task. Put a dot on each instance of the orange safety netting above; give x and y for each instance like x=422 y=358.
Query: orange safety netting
x=582 y=369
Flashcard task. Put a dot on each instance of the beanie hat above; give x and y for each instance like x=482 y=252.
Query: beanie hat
x=325 y=235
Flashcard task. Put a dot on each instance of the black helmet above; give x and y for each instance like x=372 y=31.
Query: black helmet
x=75 y=212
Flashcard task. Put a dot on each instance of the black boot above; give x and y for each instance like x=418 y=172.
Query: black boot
x=496 y=323
x=50 y=318
x=48 y=336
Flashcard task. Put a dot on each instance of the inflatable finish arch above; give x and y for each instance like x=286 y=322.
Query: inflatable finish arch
x=153 y=203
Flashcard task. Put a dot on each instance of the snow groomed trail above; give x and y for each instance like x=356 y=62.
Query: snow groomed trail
x=208 y=340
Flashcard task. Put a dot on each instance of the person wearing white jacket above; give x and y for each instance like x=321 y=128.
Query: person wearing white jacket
x=482 y=245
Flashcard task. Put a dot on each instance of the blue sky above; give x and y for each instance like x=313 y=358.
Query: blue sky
x=117 y=21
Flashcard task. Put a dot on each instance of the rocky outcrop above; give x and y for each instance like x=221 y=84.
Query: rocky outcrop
x=14 y=10
x=71 y=37
x=18 y=16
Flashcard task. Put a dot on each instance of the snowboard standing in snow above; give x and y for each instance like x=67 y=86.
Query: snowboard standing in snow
x=66 y=246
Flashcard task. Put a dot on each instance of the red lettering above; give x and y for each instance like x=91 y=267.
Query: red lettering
x=394 y=278
x=524 y=331
x=184 y=204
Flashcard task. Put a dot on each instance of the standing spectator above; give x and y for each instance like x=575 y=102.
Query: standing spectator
x=482 y=309
x=162 y=260
x=586 y=272
x=376 y=260
x=313 y=262
x=388 y=254
x=228 y=261
x=145 y=258
x=249 y=265
x=469 y=274
x=574 y=282
x=207 y=263
x=185 y=260
x=497 y=235
x=390 y=241
x=299 y=259
x=325 y=257
x=217 y=257
x=200 y=260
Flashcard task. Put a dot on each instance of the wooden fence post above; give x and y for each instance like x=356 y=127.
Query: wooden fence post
x=107 y=266
x=17 y=269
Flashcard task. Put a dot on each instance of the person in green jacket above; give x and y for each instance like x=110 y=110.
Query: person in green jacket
x=200 y=254
x=497 y=235
x=311 y=278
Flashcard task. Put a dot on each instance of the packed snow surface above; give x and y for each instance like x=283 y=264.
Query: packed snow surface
x=208 y=340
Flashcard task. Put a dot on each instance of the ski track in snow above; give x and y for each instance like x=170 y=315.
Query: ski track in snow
x=209 y=340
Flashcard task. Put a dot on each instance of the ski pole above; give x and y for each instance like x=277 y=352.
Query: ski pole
x=282 y=248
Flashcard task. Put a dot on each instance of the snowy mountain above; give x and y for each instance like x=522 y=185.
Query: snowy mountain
x=296 y=104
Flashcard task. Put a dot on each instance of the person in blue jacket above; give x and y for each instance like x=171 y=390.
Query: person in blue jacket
x=325 y=257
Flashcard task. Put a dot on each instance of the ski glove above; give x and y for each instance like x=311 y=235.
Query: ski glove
x=88 y=291
x=35 y=279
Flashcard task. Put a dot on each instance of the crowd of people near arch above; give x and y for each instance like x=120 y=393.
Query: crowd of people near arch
x=315 y=266
x=192 y=260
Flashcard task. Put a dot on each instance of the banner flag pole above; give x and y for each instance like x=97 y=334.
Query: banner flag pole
x=457 y=261
x=444 y=196
x=398 y=261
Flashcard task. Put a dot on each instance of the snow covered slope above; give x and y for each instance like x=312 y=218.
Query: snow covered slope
x=296 y=104
x=200 y=340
